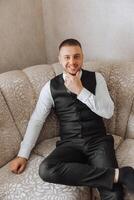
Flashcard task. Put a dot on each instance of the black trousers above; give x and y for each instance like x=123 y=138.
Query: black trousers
x=80 y=162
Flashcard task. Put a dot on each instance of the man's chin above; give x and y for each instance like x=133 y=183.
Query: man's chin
x=73 y=74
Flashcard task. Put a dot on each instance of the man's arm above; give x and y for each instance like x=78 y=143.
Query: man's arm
x=35 y=124
x=100 y=103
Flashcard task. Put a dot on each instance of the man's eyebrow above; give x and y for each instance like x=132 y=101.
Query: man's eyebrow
x=77 y=54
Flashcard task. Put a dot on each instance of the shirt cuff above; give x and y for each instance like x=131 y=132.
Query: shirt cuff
x=84 y=95
x=23 y=153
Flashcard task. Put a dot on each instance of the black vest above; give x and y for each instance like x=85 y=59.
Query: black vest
x=76 y=119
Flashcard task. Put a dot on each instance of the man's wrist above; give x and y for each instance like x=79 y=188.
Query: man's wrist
x=22 y=158
x=79 y=90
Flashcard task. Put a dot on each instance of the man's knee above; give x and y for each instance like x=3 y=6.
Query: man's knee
x=45 y=169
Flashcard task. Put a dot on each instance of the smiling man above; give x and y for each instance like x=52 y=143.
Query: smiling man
x=71 y=58
x=85 y=155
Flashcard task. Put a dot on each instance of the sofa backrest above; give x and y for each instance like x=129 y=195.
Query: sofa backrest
x=38 y=76
x=9 y=134
x=130 y=124
x=19 y=93
x=122 y=89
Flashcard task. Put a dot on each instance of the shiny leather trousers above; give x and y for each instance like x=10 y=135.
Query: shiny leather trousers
x=80 y=162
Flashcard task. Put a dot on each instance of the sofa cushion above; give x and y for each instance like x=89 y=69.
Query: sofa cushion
x=9 y=134
x=19 y=96
x=28 y=185
x=121 y=89
x=21 y=89
x=117 y=141
x=130 y=124
x=45 y=147
x=38 y=75
x=125 y=153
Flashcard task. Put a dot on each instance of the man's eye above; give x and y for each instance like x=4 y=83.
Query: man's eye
x=67 y=58
x=77 y=57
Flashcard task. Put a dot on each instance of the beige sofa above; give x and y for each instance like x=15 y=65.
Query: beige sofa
x=19 y=91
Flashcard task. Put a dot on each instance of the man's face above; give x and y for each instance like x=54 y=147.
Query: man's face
x=71 y=58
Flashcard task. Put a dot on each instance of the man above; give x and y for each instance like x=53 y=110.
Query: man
x=85 y=154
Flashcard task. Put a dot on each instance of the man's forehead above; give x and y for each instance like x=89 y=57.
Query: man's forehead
x=70 y=50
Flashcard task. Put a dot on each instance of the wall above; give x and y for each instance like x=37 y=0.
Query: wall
x=21 y=34
x=29 y=36
x=105 y=28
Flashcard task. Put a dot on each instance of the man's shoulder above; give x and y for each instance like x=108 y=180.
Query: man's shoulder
x=99 y=75
x=88 y=71
x=96 y=74
x=57 y=77
x=48 y=83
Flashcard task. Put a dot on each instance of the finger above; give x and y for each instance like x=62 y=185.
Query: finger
x=21 y=169
x=78 y=73
x=14 y=169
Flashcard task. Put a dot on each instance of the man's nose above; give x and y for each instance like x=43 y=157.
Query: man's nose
x=72 y=61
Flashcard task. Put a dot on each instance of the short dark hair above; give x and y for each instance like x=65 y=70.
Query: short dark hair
x=69 y=42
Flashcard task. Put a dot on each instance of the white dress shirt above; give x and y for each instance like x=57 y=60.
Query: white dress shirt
x=100 y=103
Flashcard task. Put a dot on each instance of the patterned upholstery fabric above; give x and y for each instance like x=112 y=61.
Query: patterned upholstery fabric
x=8 y=132
x=19 y=96
x=19 y=91
x=28 y=186
x=130 y=125
x=122 y=84
x=45 y=147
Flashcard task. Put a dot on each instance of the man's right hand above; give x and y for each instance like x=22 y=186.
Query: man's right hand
x=18 y=165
